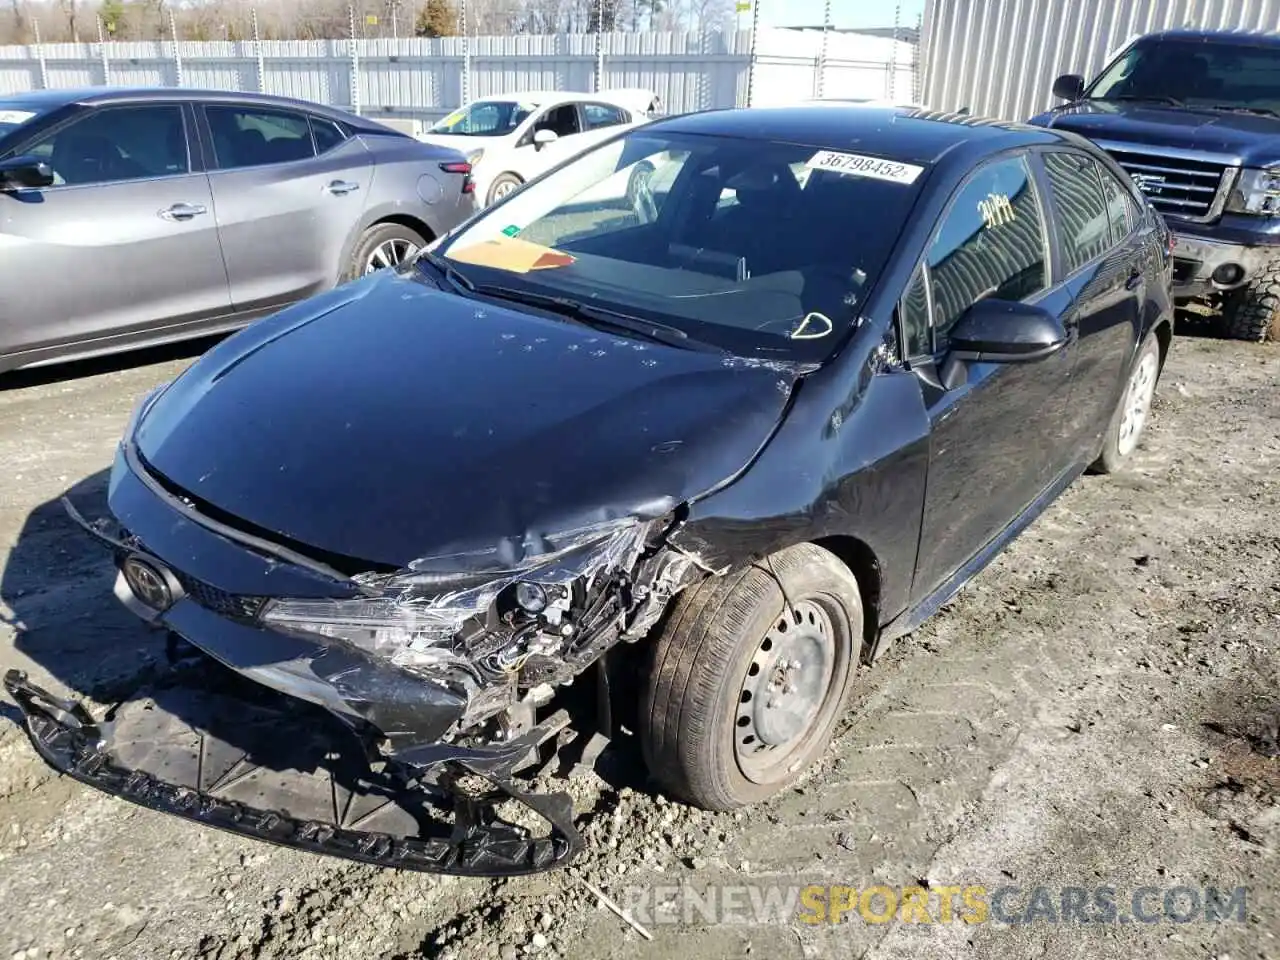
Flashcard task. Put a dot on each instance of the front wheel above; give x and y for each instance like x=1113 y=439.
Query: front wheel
x=1134 y=410
x=1252 y=312
x=749 y=678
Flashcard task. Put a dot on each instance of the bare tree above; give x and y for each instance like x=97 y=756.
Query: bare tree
x=71 y=10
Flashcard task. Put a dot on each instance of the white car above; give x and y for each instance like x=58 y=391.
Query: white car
x=512 y=139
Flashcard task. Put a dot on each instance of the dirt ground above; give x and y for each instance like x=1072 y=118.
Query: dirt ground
x=1098 y=709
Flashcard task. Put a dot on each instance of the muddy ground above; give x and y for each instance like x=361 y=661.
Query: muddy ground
x=1099 y=708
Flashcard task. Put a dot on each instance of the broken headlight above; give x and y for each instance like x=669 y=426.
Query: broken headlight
x=443 y=611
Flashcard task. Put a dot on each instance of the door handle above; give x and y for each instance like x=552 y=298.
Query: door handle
x=182 y=211
x=1134 y=278
x=340 y=188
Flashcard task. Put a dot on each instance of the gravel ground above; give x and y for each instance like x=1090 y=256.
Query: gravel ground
x=1099 y=708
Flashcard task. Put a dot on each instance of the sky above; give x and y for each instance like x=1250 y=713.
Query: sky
x=844 y=13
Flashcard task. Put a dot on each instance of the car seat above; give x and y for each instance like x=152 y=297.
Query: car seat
x=84 y=157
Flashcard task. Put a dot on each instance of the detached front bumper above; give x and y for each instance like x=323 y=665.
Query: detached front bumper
x=204 y=747
x=1202 y=266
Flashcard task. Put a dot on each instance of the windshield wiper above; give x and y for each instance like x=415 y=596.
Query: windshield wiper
x=1171 y=101
x=1256 y=111
x=451 y=273
x=598 y=317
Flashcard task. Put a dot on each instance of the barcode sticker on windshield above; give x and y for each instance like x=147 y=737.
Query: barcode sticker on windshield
x=15 y=116
x=859 y=166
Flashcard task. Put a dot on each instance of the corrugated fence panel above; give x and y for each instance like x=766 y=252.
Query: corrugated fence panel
x=423 y=78
x=999 y=58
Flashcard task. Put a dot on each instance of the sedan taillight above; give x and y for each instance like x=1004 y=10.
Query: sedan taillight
x=464 y=168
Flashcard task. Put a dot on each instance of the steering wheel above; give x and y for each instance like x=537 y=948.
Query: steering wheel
x=815 y=323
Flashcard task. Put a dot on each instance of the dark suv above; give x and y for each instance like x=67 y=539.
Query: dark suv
x=1194 y=117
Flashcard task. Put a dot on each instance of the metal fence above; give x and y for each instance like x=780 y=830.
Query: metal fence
x=423 y=79
x=999 y=57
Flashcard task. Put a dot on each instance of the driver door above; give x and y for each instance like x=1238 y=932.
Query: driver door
x=997 y=436
x=123 y=241
x=566 y=122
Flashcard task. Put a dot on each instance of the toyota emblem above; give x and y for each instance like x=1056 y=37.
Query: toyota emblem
x=147 y=582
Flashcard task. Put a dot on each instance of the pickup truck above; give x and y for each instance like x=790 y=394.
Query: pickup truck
x=1194 y=118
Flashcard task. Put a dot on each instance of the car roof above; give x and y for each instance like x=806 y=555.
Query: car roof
x=1254 y=38
x=899 y=133
x=634 y=98
x=46 y=99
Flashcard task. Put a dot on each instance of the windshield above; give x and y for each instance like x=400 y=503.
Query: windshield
x=488 y=118
x=1242 y=76
x=763 y=249
x=12 y=116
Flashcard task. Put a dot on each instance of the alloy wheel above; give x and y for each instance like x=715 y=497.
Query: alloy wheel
x=1137 y=403
x=390 y=253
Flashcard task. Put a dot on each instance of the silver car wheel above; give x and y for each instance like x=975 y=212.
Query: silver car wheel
x=504 y=188
x=1137 y=403
x=390 y=253
x=787 y=684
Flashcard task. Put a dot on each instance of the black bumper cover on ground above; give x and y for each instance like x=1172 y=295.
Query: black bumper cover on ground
x=210 y=747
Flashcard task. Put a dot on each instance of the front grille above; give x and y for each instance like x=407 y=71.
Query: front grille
x=219 y=601
x=1177 y=186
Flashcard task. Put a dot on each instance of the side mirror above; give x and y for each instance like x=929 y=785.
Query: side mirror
x=1003 y=331
x=1069 y=86
x=543 y=137
x=17 y=172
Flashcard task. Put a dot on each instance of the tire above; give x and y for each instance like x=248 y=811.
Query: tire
x=642 y=172
x=1123 y=434
x=380 y=237
x=719 y=648
x=1252 y=312
x=502 y=184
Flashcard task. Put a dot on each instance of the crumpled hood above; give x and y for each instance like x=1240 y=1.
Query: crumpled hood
x=387 y=421
x=1250 y=138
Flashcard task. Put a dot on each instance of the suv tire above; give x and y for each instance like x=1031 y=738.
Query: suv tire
x=1252 y=312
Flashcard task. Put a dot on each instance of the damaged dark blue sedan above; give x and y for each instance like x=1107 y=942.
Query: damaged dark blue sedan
x=665 y=444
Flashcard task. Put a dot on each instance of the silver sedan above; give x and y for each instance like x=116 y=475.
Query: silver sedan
x=132 y=217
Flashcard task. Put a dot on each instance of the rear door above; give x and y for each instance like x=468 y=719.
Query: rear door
x=124 y=240
x=994 y=438
x=1106 y=276
x=288 y=189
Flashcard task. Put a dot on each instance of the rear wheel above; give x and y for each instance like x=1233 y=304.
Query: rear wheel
x=1134 y=410
x=749 y=678
x=381 y=246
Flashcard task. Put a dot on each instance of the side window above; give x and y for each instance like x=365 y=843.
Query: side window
x=1120 y=205
x=562 y=119
x=599 y=115
x=1078 y=201
x=249 y=137
x=327 y=134
x=990 y=243
x=913 y=314
x=118 y=143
